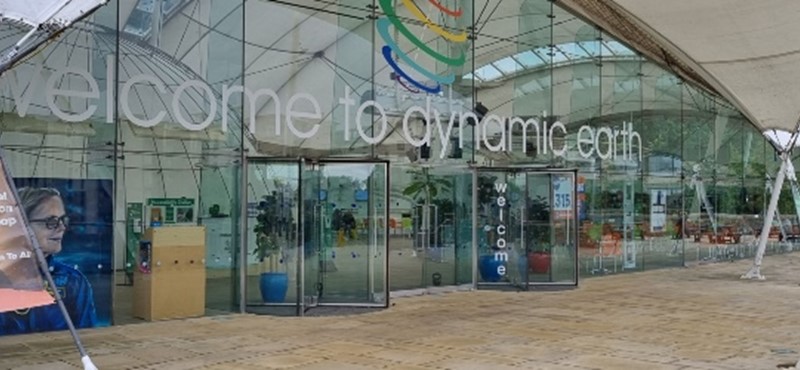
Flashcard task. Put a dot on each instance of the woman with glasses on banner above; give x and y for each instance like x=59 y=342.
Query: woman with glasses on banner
x=47 y=216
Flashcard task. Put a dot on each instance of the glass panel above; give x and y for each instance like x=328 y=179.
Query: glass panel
x=180 y=139
x=436 y=203
x=507 y=65
x=699 y=156
x=349 y=67
x=618 y=48
x=573 y=50
x=529 y=59
x=500 y=221
x=58 y=141
x=345 y=213
x=661 y=227
x=462 y=236
x=619 y=195
x=550 y=228
x=377 y=191
x=488 y=73
x=525 y=39
x=558 y=55
x=447 y=251
x=318 y=233
x=527 y=227
x=272 y=221
x=219 y=162
x=406 y=262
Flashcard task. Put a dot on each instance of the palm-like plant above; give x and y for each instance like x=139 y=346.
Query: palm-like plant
x=423 y=184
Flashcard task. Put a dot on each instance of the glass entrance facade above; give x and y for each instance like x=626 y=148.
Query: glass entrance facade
x=353 y=147
x=318 y=232
x=526 y=227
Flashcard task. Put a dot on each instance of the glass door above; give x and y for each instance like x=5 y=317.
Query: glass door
x=316 y=235
x=345 y=233
x=551 y=228
x=526 y=232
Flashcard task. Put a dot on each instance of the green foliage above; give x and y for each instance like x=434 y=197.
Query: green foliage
x=267 y=245
x=539 y=229
x=595 y=232
x=486 y=189
x=426 y=187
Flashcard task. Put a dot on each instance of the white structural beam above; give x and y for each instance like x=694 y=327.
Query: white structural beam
x=755 y=270
x=783 y=173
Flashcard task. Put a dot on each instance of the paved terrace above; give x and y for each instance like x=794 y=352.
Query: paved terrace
x=702 y=317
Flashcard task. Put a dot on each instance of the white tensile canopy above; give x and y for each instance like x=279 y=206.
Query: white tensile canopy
x=746 y=51
x=42 y=19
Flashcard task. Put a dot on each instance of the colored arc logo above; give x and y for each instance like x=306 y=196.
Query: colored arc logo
x=391 y=19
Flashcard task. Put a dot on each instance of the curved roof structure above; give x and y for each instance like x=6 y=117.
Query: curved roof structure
x=746 y=51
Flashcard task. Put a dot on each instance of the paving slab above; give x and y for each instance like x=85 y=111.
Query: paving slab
x=701 y=317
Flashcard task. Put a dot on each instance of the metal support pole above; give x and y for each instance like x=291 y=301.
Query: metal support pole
x=755 y=270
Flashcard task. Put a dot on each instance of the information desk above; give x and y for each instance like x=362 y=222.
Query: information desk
x=169 y=280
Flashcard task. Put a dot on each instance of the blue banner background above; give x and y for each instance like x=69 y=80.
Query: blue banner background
x=89 y=241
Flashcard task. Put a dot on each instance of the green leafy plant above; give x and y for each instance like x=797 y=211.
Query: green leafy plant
x=268 y=249
x=595 y=232
x=426 y=186
x=539 y=219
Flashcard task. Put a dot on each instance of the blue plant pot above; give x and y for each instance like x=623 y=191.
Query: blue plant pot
x=487 y=266
x=522 y=266
x=274 y=286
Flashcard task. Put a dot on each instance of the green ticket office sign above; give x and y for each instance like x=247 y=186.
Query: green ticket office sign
x=165 y=211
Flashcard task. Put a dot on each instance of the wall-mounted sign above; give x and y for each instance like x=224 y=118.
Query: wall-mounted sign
x=563 y=201
x=165 y=211
x=658 y=210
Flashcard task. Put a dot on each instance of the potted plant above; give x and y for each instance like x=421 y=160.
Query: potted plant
x=540 y=230
x=273 y=283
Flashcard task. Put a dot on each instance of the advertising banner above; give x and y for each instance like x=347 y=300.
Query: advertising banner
x=658 y=210
x=21 y=284
x=73 y=221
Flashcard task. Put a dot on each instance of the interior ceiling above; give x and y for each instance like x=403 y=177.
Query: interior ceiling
x=746 y=51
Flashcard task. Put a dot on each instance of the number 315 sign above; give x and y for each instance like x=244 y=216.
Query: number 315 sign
x=563 y=202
